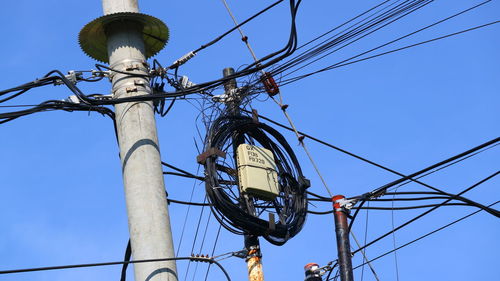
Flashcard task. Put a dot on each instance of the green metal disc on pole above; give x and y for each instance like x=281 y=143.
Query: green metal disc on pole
x=93 y=39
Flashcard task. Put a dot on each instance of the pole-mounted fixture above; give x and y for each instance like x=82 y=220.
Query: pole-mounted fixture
x=93 y=37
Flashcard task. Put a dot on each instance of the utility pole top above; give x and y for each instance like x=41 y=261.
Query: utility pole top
x=112 y=7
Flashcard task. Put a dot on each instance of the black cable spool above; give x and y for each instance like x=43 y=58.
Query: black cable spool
x=248 y=217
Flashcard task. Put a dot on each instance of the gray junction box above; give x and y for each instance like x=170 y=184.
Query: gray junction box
x=257 y=174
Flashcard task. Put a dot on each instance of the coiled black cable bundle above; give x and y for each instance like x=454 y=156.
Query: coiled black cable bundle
x=242 y=213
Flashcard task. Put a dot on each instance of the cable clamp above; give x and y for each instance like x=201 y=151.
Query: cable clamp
x=341 y=203
x=182 y=60
x=201 y=258
x=254 y=251
x=240 y=254
x=100 y=73
x=72 y=76
x=185 y=83
x=228 y=97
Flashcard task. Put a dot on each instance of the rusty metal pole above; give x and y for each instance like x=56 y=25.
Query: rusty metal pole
x=343 y=245
x=254 y=258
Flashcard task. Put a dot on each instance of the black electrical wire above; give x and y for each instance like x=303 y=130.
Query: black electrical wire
x=179 y=170
x=355 y=33
x=348 y=62
x=437 y=167
x=343 y=24
x=290 y=205
x=413 y=179
x=236 y=27
x=126 y=259
x=395 y=40
x=54 y=105
x=465 y=201
x=381 y=190
x=496 y=214
x=454 y=159
x=59 y=267
x=391 y=208
x=425 y=235
x=213 y=250
x=188 y=203
x=132 y=74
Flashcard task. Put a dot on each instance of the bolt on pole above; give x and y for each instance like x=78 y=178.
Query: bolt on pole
x=149 y=224
x=343 y=245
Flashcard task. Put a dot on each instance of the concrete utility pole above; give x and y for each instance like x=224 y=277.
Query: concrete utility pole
x=123 y=29
x=343 y=245
x=149 y=223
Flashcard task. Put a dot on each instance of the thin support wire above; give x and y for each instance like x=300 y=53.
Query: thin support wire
x=364 y=256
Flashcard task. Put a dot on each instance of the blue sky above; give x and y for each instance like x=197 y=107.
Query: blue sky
x=62 y=200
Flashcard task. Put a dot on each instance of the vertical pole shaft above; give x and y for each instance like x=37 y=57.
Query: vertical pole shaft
x=343 y=245
x=254 y=256
x=149 y=224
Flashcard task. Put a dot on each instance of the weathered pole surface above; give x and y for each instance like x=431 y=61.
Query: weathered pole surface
x=343 y=245
x=148 y=218
x=254 y=258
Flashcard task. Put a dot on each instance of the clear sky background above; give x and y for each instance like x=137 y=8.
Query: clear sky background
x=62 y=200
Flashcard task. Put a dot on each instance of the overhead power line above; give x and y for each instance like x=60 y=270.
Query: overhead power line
x=425 y=235
x=490 y=144
x=429 y=211
x=60 y=267
x=350 y=61
x=288 y=65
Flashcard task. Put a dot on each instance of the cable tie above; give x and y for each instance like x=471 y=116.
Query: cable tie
x=301 y=138
x=284 y=106
x=244 y=39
